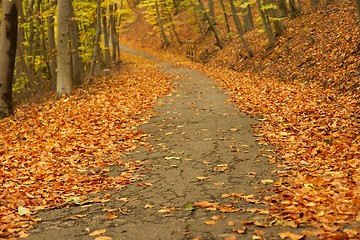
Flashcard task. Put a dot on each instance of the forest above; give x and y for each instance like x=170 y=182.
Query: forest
x=72 y=100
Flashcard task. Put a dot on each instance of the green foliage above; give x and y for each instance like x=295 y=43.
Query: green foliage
x=165 y=7
x=270 y=6
x=20 y=83
x=86 y=19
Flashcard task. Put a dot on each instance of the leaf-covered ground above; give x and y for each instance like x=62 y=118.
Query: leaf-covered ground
x=53 y=152
x=317 y=135
x=307 y=90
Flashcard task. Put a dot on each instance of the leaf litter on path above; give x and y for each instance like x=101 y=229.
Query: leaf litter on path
x=52 y=153
x=313 y=125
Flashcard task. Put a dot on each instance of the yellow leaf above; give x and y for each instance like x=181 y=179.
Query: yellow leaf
x=103 y=238
x=210 y=222
x=267 y=181
x=97 y=232
x=23 y=235
x=202 y=178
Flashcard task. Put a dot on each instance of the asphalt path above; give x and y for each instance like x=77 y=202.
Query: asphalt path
x=205 y=178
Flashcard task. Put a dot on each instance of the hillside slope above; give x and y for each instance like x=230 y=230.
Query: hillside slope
x=320 y=45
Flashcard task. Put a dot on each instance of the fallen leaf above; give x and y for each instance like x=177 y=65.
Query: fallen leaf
x=290 y=235
x=189 y=207
x=23 y=211
x=111 y=216
x=103 y=238
x=147 y=206
x=97 y=232
x=210 y=222
x=231 y=237
x=240 y=231
x=23 y=234
x=231 y=223
x=267 y=181
x=165 y=210
x=202 y=178
x=259 y=232
x=204 y=204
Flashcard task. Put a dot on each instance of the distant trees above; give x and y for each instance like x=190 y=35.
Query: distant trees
x=46 y=61
x=239 y=27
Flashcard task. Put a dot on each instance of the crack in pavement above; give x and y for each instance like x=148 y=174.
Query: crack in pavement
x=203 y=148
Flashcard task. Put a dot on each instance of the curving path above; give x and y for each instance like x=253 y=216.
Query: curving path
x=203 y=148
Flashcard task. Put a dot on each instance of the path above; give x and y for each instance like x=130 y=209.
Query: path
x=203 y=148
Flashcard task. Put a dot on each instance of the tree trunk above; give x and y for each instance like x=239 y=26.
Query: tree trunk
x=276 y=18
x=299 y=6
x=197 y=18
x=282 y=8
x=266 y=26
x=247 y=16
x=174 y=29
x=239 y=28
x=64 y=73
x=113 y=33
x=51 y=43
x=176 y=7
x=22 y=67
x=8 y=42
x=314 y=3
x=212 y=10
x=294 y=11
x=211 y=24
x=97 y=50
x=226 y=19
x=77 y=64
x=162 y=30
x=106 y=42
x=358 y=10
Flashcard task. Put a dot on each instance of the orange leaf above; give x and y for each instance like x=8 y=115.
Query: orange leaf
x=290 y=235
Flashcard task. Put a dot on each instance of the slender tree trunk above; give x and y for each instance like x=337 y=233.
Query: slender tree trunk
x=106 y=42
x=266 y=26
x=294 y=11
x=276 y=17
x=97 y=50
x=211 y=24
x=51 y=43
x=314 y=3
x=31 y=46
x=212 y=10
x=162 y=30
x=299 y=6
x=197 y=18
x=8 y=42
x=247 y=16
x=64 y=73
x=282 y=8
x=43 y=70
x=176 y=7
x=226 y=19
x=77 y=64
x=358 y=10
x=174 y=30
x=113 y=33
x=22 y=67
x=239 y=28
